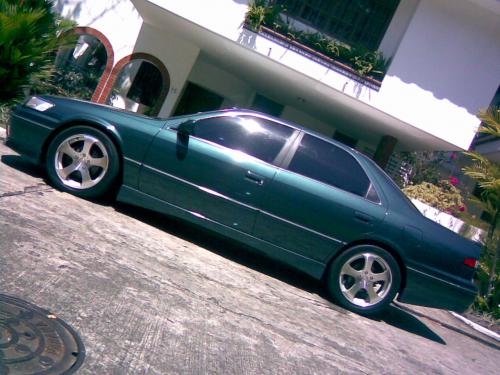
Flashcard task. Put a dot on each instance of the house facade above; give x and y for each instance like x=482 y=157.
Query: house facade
x=167 y=57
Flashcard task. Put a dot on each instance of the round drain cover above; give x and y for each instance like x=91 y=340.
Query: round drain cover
x=33 y=341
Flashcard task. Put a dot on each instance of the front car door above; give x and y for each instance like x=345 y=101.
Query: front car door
x=320 y=200
x=218 y=171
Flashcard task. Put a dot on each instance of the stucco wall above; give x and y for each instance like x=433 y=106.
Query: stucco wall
x=304 y=119
x=177 y=55
x=117 y=19
x=447 y=67
x=397 y=27
x=235 y=91
x=221 y=16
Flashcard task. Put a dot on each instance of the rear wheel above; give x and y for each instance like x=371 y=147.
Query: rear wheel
x=364 y=279
x=83 y=161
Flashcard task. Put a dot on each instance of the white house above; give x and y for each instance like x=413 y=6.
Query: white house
x=170 y=56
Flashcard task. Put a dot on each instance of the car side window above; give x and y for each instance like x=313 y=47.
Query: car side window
x=254 y=136
x=330 y=164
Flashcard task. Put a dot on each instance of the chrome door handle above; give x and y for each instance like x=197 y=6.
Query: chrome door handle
x=254 y=177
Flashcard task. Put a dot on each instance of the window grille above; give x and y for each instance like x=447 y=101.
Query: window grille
x=352 y=21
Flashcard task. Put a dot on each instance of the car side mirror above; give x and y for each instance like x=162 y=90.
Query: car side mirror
x=186 y=128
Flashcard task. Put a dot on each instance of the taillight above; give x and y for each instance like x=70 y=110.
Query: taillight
x=471 y=262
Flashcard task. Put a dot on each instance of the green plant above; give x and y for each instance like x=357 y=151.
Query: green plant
x=421 y=166
x=367 y=62
x=256 y=15
x=488 y=299
x=443 y=196
x=364 y=61
x=4 y=114
x=260 y=13
x=30 y=33
x=67 y=81
x=487 y=175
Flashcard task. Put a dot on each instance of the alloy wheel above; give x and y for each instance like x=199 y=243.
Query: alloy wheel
x=81 y=161
x=365 y=279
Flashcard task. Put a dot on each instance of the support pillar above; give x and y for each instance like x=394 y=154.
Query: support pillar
x=385 y=148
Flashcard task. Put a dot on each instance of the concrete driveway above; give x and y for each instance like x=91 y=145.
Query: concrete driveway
x=150 y=295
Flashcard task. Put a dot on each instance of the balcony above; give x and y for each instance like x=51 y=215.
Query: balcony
x=303 y=27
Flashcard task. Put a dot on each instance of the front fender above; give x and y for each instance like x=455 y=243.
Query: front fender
x=98 y=122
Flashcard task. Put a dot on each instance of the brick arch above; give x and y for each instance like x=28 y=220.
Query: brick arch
x=106 y=92
x=110 y=57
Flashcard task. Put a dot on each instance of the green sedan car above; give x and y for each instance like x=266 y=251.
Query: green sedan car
x=296 y=196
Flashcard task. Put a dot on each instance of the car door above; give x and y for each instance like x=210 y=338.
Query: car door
x=218 y=171
x=319 y=201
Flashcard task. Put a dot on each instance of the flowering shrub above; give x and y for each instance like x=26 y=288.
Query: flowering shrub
x=444 y=196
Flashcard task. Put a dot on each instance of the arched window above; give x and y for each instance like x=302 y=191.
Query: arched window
x=79 y=69
x=141 y=85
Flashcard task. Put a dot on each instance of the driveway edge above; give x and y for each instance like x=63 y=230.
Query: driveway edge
x=476 y=335
x=477 y=327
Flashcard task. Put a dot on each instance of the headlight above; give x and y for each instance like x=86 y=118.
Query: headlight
x=38 y=104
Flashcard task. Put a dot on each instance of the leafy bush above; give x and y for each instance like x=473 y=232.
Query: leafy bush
x=30 y=32
x=4 y=114
x=67 y=81
x=488 y=300
x=487 y=175
x=444 y=196
x=256 y=14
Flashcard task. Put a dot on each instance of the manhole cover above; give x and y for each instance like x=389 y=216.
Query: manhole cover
x=33 y=341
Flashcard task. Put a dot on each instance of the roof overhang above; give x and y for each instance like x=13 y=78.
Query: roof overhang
x=289 y=86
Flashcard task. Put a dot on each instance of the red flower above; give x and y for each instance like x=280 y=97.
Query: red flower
x=461 y=208
x=453 y=156
x=453 y=180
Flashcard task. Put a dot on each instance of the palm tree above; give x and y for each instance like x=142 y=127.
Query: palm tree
x=487 y=175
x=30 y=33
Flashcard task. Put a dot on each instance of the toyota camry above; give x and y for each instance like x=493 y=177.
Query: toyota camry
x=295 y=195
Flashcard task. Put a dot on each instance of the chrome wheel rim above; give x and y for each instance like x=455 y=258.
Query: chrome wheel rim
x=365 y=279
x=81 y=161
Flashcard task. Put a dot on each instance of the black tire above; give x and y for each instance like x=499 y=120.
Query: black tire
x=360 y=288
x=91 y=158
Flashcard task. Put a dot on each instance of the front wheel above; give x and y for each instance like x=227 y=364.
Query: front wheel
x=364 y=279
x=83 y=161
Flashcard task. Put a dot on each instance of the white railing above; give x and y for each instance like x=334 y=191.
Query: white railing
x=451 y=222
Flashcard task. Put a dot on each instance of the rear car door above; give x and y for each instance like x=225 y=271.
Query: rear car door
x=319 y=201
x=217 y=172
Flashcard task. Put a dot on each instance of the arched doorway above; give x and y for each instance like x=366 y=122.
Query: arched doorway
x=80 y=69
x=141 y=84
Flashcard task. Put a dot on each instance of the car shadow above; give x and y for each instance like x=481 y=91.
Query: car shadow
x=221 y=246
x=405 y=321
x=250 y=258
x=23 y=165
